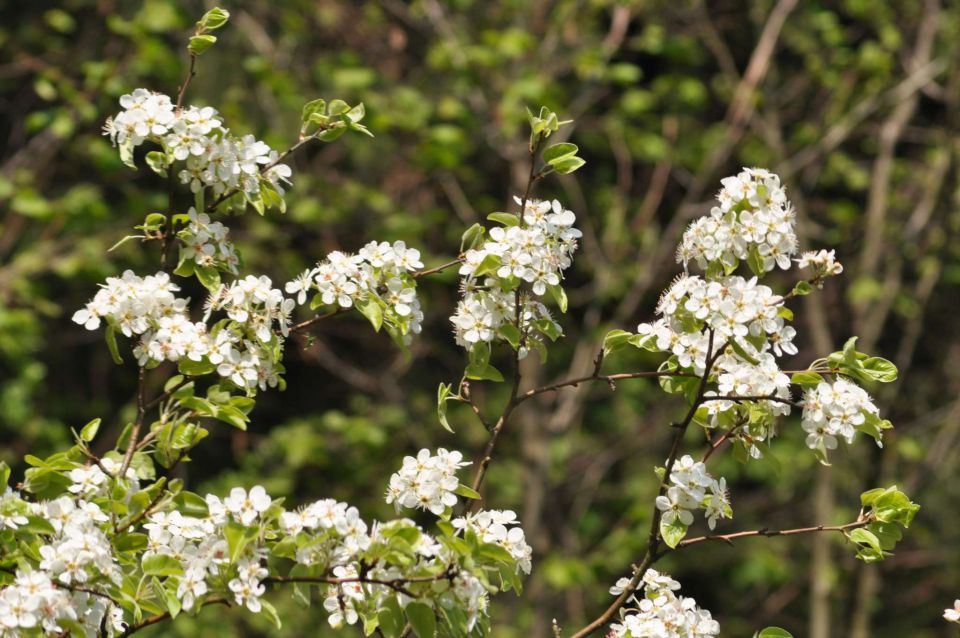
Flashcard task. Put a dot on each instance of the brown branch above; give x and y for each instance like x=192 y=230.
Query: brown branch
x=436 y=269
x=138 y=424
x=609 y=378
x=153 y=620
x=653 y=540
x=729 y=538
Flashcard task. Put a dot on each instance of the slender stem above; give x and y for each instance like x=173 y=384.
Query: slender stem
x=191 y=71
x=513 y=402
x=138 y=424
x=739 y=398
x=436 y=269
x=729 y=538
x=653 y=539
x=609 y=378
x=303 y=325
x=153 y=620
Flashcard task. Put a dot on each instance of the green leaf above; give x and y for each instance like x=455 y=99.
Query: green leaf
x=158 y=162
x=214 y=19
x=391 y=618
x=559 y=295
x=271 y=613
x=200 y=43
x=238 y=538
x=773 y=632
x=755 y=262
x=444 y=392
x=558 y=151
x=672 y=533
x=310 y=108
x=111 y=336
x=89 y=431
x=130 y=542
x=233 y=416
x=742 y=353
x=811 y=379
x=509 y=332
x=126 y=153
x=567 y=165
x=879 y=369
x=422 y=619
x=483 y=373
x=802 y=289
x=161 y=565
x=616 y=340
x=472 y=237
x=195 y=368
x=370 y=308
x=208 y=276
x=507 y=219
x=4 y=474
x=467 y=492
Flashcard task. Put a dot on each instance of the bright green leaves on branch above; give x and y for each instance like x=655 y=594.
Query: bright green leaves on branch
x=562 y=158
x=211 y=21
x=888 y=510
x=543 y=125
x=327 y=122
x=861 y=366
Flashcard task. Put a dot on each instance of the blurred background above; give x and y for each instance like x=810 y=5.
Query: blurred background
x=853 y=102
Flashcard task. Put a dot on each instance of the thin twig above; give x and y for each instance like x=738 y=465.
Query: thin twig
x=729 y=538
x=138 y=424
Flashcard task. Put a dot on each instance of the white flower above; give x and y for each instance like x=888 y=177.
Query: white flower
x=953 y=615
x=426 y=481
x=246 y=507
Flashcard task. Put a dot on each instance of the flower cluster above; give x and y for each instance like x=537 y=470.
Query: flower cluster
x=147 y=306
x=378 y=280
x=34 y=603
x=832 y=410
x=205 y=242
x=534 y=253
x=734 y=308
x=427 y=481
x=661 y=612
x=492 y=526
x=691 y=488
x=823 y=263
x=214 y=158
x=247 y=350
x=735 y=311
x=754 y=221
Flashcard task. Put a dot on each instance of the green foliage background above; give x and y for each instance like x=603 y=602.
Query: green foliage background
x=855 y=105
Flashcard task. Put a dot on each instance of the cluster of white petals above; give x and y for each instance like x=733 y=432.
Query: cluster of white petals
x=823 y=263
x=692 y=488
x=834 y=410
x=427 y=481
x=242 y=351
x=147 y=307
x=753 y=220
x=661 y=613
x=534 y=252
x=381 y=273
x=205 y=242
x=214 y=158
x=502 y=528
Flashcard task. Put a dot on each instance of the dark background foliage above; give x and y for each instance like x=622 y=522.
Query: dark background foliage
x=853 y=102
